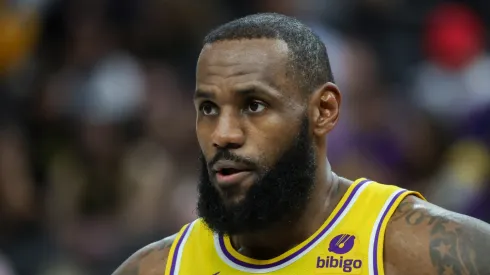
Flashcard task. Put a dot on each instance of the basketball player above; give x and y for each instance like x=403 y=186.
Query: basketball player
x=269 y=202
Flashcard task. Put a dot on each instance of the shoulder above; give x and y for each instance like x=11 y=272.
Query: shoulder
x=150 y=260
x=422 y=238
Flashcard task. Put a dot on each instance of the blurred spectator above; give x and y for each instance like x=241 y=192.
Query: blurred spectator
x=19 y=27
x=454 y=79
x=5 y=268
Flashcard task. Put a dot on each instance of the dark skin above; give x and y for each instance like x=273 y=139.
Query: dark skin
x=246 y=102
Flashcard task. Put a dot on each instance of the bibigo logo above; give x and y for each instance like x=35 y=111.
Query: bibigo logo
x=341 y=259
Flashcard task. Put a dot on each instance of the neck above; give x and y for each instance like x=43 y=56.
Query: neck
x=280 y=238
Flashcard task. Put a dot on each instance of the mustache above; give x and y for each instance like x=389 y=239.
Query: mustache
x=224 y=154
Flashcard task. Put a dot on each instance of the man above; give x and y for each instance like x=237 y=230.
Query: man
x=268 y=200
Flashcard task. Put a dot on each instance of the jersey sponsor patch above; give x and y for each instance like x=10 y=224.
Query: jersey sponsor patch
x=340 y=257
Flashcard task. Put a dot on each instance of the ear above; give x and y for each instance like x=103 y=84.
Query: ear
x=325 y=109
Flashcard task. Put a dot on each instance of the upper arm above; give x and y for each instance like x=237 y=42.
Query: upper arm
x=422 y=238
x=150 y=260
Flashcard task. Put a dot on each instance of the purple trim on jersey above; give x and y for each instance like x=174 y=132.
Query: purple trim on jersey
x=255 y=266
x=378 y=230
x=176 y=250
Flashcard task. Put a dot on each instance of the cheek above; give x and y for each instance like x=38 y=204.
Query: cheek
x=271 y=138
x=203 y=135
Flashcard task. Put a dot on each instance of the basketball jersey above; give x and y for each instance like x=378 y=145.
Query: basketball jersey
x=350 y=241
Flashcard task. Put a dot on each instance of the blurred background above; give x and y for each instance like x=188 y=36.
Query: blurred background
x=98 y=155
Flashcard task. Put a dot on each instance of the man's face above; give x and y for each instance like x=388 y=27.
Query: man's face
x=258 y=161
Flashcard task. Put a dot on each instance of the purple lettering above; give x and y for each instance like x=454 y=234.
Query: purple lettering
x=347 y=266
x=320 y=263
x=357 y=264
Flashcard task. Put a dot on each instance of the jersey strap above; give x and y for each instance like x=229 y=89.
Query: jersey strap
x=376 y=246
x=175 y=255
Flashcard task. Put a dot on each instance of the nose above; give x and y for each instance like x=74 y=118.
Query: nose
x=228 y=133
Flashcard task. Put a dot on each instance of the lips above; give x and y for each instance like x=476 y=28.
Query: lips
x=228 y=167
x=230 y=172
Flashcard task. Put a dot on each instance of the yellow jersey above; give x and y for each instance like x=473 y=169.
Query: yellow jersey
x=350 y=241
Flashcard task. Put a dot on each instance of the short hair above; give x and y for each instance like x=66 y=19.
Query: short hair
x=308 y=62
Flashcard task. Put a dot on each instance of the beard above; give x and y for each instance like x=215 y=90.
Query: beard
x=279 y=195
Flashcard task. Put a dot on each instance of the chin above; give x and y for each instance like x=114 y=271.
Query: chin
x=233 y=197
x=235 y=192
x=232 y=202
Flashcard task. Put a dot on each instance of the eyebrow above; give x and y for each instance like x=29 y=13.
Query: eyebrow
x=252 y=89
x=203 y=94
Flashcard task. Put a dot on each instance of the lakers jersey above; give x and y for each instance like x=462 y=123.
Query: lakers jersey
x=350 y=241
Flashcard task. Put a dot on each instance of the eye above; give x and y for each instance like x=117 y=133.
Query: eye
x=208 y=109
x=255 y=106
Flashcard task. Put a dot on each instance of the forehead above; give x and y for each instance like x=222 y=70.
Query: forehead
x=250 y=59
